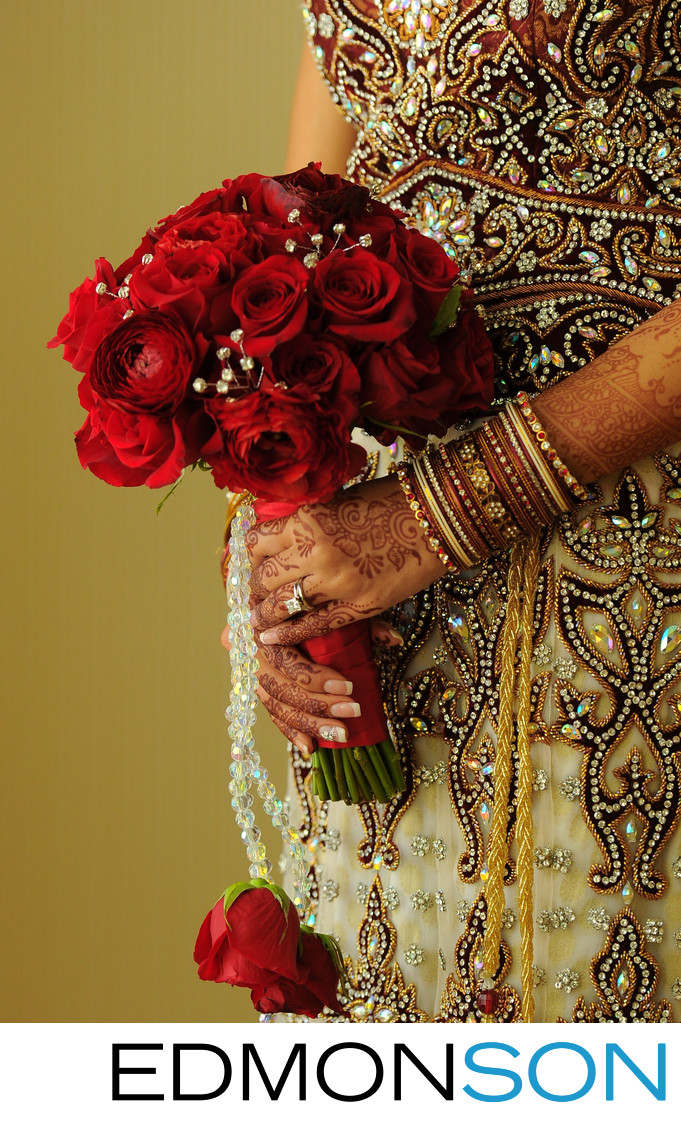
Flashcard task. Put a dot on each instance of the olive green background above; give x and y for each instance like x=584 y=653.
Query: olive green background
x=117 y=835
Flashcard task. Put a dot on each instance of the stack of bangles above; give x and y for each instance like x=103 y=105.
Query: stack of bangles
x=474 y=497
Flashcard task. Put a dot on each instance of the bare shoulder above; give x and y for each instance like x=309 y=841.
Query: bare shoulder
x=318 y=131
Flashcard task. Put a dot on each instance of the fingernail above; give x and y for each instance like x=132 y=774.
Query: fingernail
x=396 y=637
x=346 y=709
x=270 y=636
x=335 y=734
x=338 y=687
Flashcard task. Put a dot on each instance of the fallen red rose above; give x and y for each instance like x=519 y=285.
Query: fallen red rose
x=252 y=938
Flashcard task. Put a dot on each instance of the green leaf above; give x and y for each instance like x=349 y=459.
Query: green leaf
x=233 y=891
x=171 y=491
x=394 y=427
x=447 y=314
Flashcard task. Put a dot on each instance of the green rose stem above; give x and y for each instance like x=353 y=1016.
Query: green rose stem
x=375 y=783
x=357 y=775
x=392 y=759
x=363 y=781
x=322 y=769
x=339 y=774
x=356 y=792
x=379 y=766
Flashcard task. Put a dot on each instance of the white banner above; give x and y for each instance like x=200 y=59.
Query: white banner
x=152 y=1075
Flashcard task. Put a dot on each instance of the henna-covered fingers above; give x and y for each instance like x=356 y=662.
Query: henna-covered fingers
x=278 y=606
x=306 y=708
x=295 y=667
x=319 y=622
x=300 y=721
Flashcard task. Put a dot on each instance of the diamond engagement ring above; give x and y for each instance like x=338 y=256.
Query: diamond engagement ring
x=297 y=602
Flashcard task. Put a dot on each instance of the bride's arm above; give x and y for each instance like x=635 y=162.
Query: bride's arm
x=318 y=131
x=622 y=406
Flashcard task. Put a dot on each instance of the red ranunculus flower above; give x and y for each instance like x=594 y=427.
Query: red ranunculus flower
x=315 y=987
x=225 y=231
x=146 y=364
x=284 y=445
x=270 y=302
x=363 y=298
x=323 y=367
x=251 y=943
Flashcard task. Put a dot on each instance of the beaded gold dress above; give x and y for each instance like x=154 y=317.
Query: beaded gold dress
x=539 y=141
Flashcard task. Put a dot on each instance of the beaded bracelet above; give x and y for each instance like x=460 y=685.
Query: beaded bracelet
x=476 y=496
x=550 y=458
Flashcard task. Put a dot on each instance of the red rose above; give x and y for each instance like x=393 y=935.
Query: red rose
x=270 y=302
x=324 y=368
x=126 y=449
x=90 y=317
x=211 y=201
x=254 y=942
x=321 y=198
x=145 y=248
x=404 y=387
x=146 y=364
x=466 y=358
x=283 y=445
x=192 y=282
x=326 y=198
x=226 y=232
x=363 y=297
x=431 y=272
x=315 y=987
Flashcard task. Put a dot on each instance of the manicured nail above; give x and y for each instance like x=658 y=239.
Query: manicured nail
x=346 y=709
x=343 y=688
x=270 y=636
x=335 y=734
x=396 y=637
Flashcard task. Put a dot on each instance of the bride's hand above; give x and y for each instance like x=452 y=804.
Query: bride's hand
x=351 y=558
x=304 y=698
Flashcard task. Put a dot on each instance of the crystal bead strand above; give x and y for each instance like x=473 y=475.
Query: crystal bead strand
x=245 y=769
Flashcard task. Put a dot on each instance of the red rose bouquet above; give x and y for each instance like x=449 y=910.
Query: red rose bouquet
x=253 y=329
x=249 y=333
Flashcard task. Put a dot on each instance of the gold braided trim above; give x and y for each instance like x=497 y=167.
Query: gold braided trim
x=522 y=585
x=524 y=829
x=497 y=848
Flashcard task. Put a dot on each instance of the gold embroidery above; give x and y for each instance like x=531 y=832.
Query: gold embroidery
x=459 y=999
x=377 y=991
x=625 y=977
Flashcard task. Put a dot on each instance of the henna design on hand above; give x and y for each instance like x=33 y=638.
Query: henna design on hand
x=294 y=718
x=371 y=533
x=291 y=694
x=290 y=662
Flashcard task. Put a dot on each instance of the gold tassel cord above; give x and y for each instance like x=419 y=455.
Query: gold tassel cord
x=517 y=637
x=524 y=830
x=497 y=847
